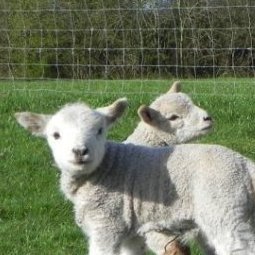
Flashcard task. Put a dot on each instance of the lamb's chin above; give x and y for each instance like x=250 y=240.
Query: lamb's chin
x=80 y=168
x=74 y=168
x=206 y=130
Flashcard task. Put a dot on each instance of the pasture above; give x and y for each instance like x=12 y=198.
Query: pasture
x=34 y=216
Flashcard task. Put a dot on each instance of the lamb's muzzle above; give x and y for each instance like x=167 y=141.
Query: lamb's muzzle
x=81 y=155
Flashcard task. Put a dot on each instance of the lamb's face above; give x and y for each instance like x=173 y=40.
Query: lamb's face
x=177 y=120
x=188 y=120
x=76 y=135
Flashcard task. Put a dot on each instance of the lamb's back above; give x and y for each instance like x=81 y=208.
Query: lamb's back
x=144 y=184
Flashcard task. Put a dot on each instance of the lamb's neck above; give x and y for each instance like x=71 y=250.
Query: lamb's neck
x=150 y=136
x=71 y=182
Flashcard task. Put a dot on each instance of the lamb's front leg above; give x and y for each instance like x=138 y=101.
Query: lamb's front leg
x=115 y=243
x=133 y=246
x=104 y=243
x=204 y=245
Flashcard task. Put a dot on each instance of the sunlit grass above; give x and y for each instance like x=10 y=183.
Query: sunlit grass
x=34 y=216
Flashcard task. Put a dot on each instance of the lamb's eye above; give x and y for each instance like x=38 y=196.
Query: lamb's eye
x=100 y=131
x=56 y=135
x=173 y=117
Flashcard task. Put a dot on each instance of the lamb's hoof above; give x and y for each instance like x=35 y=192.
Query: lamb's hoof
x=175 y=248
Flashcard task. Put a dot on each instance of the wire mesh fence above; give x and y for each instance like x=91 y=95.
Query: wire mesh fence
x=123 y=40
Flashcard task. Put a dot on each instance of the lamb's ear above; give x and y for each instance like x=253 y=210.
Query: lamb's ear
x=149 y=115
x=115 y=110
x=33 y=122
x=175 y=88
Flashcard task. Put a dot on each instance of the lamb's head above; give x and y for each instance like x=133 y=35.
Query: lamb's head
x=174 y=118
x=76 y=134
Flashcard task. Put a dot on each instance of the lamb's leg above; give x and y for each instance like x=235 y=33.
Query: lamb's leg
x=103 y=242
x=133 y=246
x=99 y=247
x=241 y=241
x=238 y=240
x=206 y=248
x=224 y=210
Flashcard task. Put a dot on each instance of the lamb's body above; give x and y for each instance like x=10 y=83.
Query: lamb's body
x=159 y=186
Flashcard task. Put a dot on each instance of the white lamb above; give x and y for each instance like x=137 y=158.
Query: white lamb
x=171 y=119
x=122 y=190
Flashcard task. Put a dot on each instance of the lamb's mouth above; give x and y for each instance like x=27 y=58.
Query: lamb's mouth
x=80 y=162
x=209 y=127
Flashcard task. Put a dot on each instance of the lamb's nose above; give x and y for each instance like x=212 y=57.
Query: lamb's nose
x=80 y=152
x=207 y=118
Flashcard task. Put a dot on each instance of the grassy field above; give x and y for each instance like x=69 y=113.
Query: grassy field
x=35 y=219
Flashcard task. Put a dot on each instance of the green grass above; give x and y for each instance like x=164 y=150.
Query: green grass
x=34 y=216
